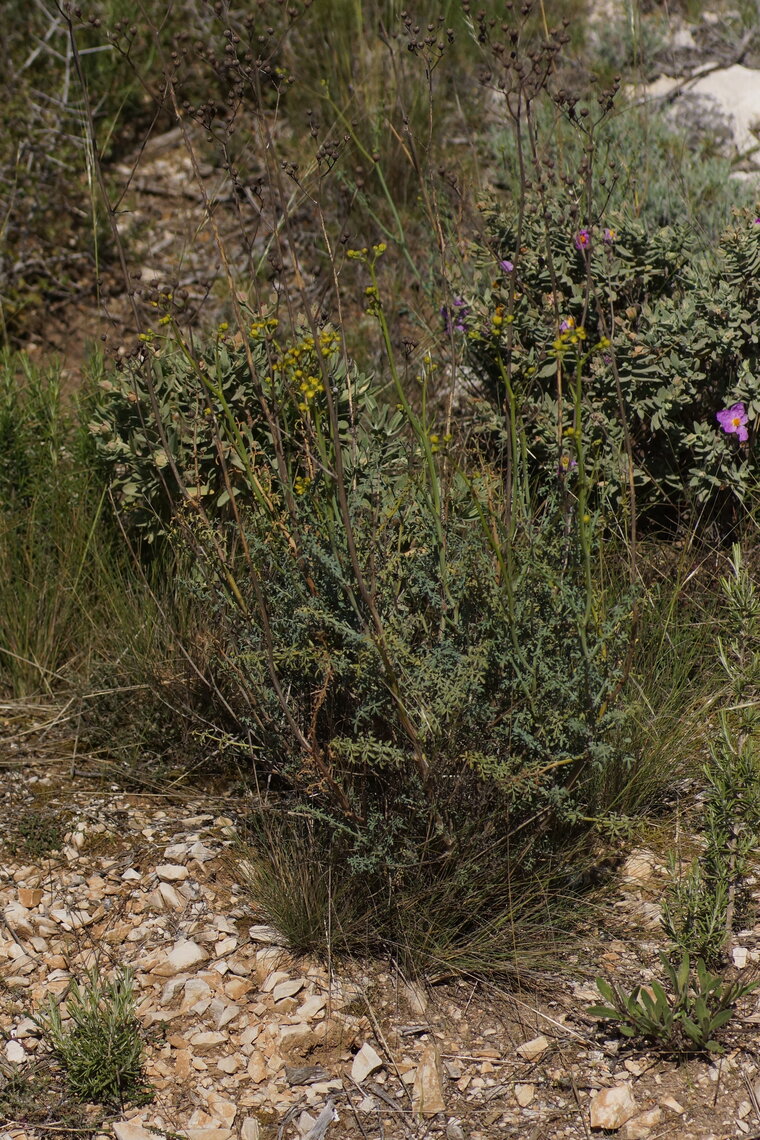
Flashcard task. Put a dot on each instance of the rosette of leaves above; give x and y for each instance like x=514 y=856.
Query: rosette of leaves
x=699 y=1005
x=684 y=345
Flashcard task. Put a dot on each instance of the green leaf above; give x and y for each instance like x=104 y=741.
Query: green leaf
x=693 y=1031
x=682 y=974
x=643 y=997
x=720 y=1018
x=606 y=990
x=660 y=996
x=603 y=1011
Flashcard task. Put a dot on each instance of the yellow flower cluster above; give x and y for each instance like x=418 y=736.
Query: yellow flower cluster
x=309 y=387
x=298 y=364
x=301 y=483
x=436 y=441
x=570 y=333
x=360 y=254
x=498 y=320
x=263 y=327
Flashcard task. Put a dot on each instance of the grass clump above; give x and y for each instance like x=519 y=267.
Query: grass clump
x=53 y=550
x=708 y=901
x=98 y=1040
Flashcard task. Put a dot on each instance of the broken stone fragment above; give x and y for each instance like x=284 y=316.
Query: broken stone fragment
x=427 y=1091
x=229 y=1065
x=273 y=980
x=207 y=1042
x=311 y=1008
x=300 y=1039
x=172 y=873
x=29 y=897
x=183 y=956
x=15 y=1053
x=639 y=1127
x=266 y=934
x=365 y=1062
x=19 y=920
x=287 y=988
x=674 y=1105
x=130 y=1130
x=612 y=1107
x=534 y=1049
x=524 y=1094
x=257 y=1068
x=305 y=1074
x=740 y=955
x=639 y=867
x=170 y=898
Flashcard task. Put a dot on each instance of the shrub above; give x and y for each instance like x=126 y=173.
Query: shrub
x=101 y=1047
x=431 y=672
x=672 y=342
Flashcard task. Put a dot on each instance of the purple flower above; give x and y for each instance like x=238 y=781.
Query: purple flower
x=583 y=240
x=567 y=324
x=733 y=420
x=757 y=221
x=608 y=236
x=506 y=265
x=566 y=464
x=456 y=317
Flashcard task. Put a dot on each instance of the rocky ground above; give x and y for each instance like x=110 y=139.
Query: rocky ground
x=245 y=1040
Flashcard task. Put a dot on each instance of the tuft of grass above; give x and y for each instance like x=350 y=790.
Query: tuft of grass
x=295 y=877
x=472 y=918
x=53 y=547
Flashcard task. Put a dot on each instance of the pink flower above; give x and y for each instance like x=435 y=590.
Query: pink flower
x=583 y=240
x=506 y=265
x=733 y=420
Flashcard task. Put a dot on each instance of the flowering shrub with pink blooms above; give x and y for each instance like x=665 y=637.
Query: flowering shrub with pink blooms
x=665 y=345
